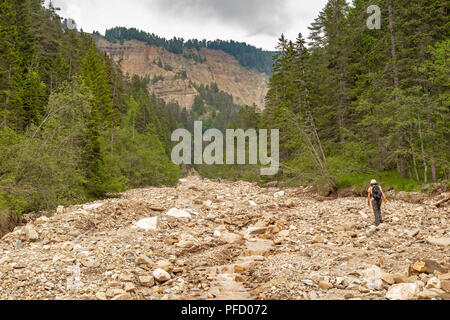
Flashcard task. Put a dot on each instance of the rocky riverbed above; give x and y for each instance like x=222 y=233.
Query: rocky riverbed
x=230 y=240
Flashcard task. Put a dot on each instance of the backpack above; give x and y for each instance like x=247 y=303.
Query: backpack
x=376 y=193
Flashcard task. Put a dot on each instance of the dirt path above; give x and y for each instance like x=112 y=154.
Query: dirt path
x=233 y=240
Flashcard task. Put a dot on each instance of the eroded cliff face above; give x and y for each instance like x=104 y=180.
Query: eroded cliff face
x=247 y=86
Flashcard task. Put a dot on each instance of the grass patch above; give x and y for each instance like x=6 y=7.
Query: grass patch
x=389 y=179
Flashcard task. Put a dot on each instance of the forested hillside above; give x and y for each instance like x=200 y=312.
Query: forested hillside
x=353 y=104
x=247 y=55
x=358 y=103
x=72 y=126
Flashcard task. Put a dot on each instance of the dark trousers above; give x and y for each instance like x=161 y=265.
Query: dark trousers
x=376 y=205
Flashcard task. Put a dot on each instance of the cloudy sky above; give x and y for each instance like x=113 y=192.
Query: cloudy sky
x=258 y=22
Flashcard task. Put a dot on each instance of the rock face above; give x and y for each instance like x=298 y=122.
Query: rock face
x=228 y=248
x=137 y=58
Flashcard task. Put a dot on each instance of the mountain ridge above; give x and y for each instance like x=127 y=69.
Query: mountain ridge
x=246 y=54
x=174 y=76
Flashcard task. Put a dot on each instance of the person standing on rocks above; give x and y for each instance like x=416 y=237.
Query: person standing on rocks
x=376 y=194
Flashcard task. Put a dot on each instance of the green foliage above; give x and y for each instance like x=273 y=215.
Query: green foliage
x=214 y=107
x=181 y=75
x=138 y=154
x=362 y=103
x=42 y=170
x=156 y=79
x=194 y=56
x=72 y=127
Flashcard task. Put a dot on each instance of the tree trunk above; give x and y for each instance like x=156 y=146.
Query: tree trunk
x=70 y=68
x=112 y=143
x=400 y=162
x=415 y=169
x=401 y=167
x=425 y=166
x=413 y=153
x=393 y=47
x=433 y=170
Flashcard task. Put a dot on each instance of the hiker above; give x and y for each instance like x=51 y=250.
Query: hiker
x=375 y=197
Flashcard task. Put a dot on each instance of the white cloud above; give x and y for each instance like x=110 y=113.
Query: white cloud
x=258 y=22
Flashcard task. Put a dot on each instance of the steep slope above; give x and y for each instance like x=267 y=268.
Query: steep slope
x=247 y=86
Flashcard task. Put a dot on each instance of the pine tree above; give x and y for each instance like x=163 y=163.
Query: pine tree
x=9 y=61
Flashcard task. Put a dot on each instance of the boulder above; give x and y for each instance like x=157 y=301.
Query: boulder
x=403 y=291
x=388 y=278
x=289 y=203
x=126 y=277
x=278 y=194
x=363 y=289
x=252 y=203
x=445 y=242
x=308 y=282
x=324 y=285
x=177 y=213
x=161 y=275
x=418 y=266
x=144 y=260
x=445 y=285
x=430 y=294
x=400 y=278
x=41 y=220
x=30 y=233
x=147 y=281
x=129 y=287
x=165 y=265
x=231 y=238
x=372 y=277
x=148 y=224
x=433 y=283
x=425 y=266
